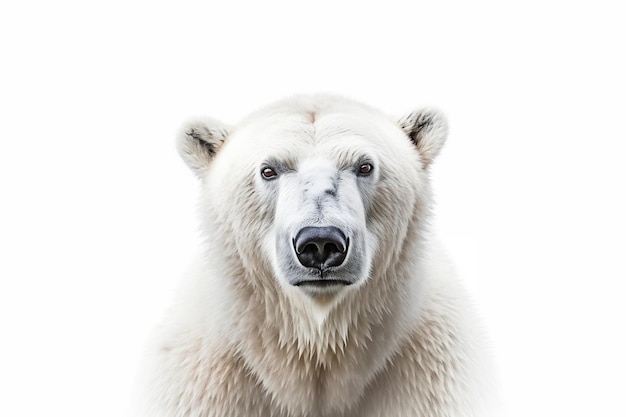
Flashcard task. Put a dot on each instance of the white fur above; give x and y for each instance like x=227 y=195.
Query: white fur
x=243 y=341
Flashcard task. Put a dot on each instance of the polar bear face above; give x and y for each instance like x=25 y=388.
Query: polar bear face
x=319 y=193
x=321 y=241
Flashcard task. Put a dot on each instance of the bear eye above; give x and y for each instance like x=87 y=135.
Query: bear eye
x=268 y=173
x=365 y=169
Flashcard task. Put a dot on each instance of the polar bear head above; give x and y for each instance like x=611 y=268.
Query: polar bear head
x=318 y=194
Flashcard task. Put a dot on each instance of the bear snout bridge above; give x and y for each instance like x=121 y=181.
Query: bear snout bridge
x=321 y=247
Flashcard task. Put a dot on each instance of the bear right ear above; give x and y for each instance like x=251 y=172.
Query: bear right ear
x=428 y=130
x=199 y=141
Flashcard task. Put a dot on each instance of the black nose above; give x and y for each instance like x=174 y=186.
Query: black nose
x=321 y=247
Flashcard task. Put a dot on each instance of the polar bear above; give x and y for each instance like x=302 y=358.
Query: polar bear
x=319 y=290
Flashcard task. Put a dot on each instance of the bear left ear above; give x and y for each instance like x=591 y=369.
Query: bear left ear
x=199 y=141
x=428 y=130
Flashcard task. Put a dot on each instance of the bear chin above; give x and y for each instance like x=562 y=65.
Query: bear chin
x=324 y=293
x=320 y=288
x=322 y=283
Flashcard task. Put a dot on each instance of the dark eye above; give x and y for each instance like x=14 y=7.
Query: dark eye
x=365 y=169
x=268 y=173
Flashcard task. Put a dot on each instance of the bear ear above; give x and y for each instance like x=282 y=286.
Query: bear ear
x=428 y=130
x=199 y=141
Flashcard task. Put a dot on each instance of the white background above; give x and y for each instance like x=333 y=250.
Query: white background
x=97 y=212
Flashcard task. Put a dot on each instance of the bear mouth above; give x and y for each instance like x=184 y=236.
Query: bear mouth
x=322 y=283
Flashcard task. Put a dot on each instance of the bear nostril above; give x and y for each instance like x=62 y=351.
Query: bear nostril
x=320 y=247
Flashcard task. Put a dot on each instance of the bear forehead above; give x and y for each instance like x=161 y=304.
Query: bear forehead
x=317 y=119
